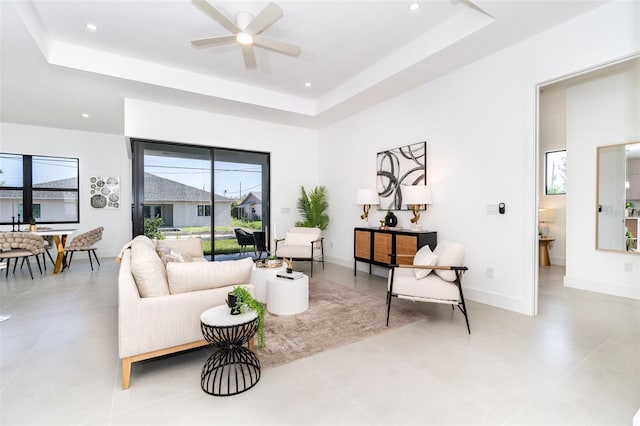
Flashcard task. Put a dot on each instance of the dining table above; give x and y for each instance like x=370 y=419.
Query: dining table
x=60 y=239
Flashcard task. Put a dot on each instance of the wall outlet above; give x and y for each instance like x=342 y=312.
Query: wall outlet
x=628 y=267
x=492 y=209
x=284 y=210
x=331 y=244
x=489 y=271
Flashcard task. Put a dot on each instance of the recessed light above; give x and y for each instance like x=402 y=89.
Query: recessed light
x=85 y=115
x=414 y=6
x=92 y=27
x=307 y=84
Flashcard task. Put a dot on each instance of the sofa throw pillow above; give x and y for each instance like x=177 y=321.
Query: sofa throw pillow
x=424 y=257
x=449 y=254
x=147 y=269
x=195 y=276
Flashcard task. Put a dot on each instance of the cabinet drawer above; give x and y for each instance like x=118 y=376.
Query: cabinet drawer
x=363 y=245
x=382 y=247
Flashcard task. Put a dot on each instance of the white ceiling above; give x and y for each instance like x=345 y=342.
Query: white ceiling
x=354 y=54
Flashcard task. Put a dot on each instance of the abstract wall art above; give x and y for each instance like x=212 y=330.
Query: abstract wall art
x=406 y=165
x=104 y=192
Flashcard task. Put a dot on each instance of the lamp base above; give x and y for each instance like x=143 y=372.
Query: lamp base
x=416 y=227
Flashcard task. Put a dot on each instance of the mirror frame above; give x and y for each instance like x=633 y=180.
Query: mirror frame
x=599 y=205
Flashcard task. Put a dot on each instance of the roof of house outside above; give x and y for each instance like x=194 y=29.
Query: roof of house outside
x=251 y=198
x=158 y=189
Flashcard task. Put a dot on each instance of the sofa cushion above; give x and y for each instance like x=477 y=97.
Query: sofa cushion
x=449 y=254
x=147 y=269
x=190 y=246
x=424 y=257
x=185 y=277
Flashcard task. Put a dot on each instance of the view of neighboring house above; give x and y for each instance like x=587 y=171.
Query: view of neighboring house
x=48 y=206
x=250 y=208
x=181 y=205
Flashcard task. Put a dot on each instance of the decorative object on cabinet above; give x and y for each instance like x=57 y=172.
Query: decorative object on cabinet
x=416 y=196
x=366 y=197
x=406 y=165
x=545 y=216
x=390 y=219
x=374 y=246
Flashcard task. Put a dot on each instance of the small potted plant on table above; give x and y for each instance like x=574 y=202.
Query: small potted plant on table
x=245 y=302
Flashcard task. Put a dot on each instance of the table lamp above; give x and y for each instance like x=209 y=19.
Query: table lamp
x=366 y=197
x=415 y=196
x=545 y=216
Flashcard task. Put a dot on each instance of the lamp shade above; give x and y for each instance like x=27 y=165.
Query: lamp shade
x=416 y=194
x=546 y=215
x=367 y=196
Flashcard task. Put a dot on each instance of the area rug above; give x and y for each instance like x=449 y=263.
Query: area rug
x=337 y=316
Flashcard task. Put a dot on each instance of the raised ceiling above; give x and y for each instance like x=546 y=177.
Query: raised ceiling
x=354 y=54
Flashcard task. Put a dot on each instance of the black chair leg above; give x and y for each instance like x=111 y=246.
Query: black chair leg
x=90 y=262
x=53 y=262
x=68 y=264
x=96 y=257
x=29 y=266
x=39 y=266
x=389 y=309
x=16 y=264
x=6 y=275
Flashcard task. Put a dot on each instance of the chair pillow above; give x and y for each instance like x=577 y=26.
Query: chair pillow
x=299 y=239
x=449 y=254
x=424 y=257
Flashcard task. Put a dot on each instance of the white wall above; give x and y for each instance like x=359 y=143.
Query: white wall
x=605 y=111
x=552 y=117
x=98 y=154
x=480 y=124
x=294 y=151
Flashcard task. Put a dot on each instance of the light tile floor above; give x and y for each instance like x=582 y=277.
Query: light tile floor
x=578 y=362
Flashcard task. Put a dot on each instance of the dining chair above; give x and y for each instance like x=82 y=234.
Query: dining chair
x=84 y=242
x=20 y=246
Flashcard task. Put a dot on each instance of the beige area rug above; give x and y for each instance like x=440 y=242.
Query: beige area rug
x=337 y=316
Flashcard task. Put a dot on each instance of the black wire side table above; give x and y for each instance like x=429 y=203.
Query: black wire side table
x=233 y=368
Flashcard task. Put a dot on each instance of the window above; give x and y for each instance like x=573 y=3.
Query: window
x=555 y=176
x=204 y=210
x=38 y=187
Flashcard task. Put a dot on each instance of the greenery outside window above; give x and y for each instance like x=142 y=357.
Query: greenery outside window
x=40 y=188
x=555 y=176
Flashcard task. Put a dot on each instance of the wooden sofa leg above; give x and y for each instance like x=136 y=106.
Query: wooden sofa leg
x=126 y=373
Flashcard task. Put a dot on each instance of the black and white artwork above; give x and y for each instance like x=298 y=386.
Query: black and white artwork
x=104 y=192
x=403 y=166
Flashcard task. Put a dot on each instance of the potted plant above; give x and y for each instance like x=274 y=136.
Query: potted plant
x=32 y=225
x=152 y=228
x=246 y=302
x=289 y=263
x=312 y=206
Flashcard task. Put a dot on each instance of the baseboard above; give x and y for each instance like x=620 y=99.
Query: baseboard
x=497 y=300
x=603 y=287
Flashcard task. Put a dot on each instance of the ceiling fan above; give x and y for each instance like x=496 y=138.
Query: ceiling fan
x=246 y=31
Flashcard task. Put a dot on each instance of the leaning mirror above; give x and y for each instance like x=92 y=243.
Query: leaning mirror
x=618 y=198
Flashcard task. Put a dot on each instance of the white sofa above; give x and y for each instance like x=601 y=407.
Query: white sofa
x=159 y=306
x=302 y=243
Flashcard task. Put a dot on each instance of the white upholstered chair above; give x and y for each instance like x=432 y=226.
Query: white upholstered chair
x=434 y=277
x=302 y=244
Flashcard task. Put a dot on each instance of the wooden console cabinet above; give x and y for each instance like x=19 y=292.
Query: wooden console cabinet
x=373 y=245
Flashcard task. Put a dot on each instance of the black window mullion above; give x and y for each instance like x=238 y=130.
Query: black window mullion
x=27 y=183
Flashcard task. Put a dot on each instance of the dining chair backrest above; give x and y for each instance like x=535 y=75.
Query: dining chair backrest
x=21 y=240
x=85 y=240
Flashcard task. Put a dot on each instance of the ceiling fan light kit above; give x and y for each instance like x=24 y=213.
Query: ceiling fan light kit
x=246 y=31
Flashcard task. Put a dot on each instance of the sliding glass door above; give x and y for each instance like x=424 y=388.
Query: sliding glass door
x=186 y=190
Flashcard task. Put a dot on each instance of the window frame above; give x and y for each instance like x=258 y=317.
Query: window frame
x=547 y=187
x=28 y=189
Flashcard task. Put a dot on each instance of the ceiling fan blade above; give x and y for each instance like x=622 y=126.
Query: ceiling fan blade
x=268 y=16
x=277 y=45
x=249 y=57
x=212 y=41
x=214 y=14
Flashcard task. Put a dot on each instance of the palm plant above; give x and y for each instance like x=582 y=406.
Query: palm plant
x=312 y=206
